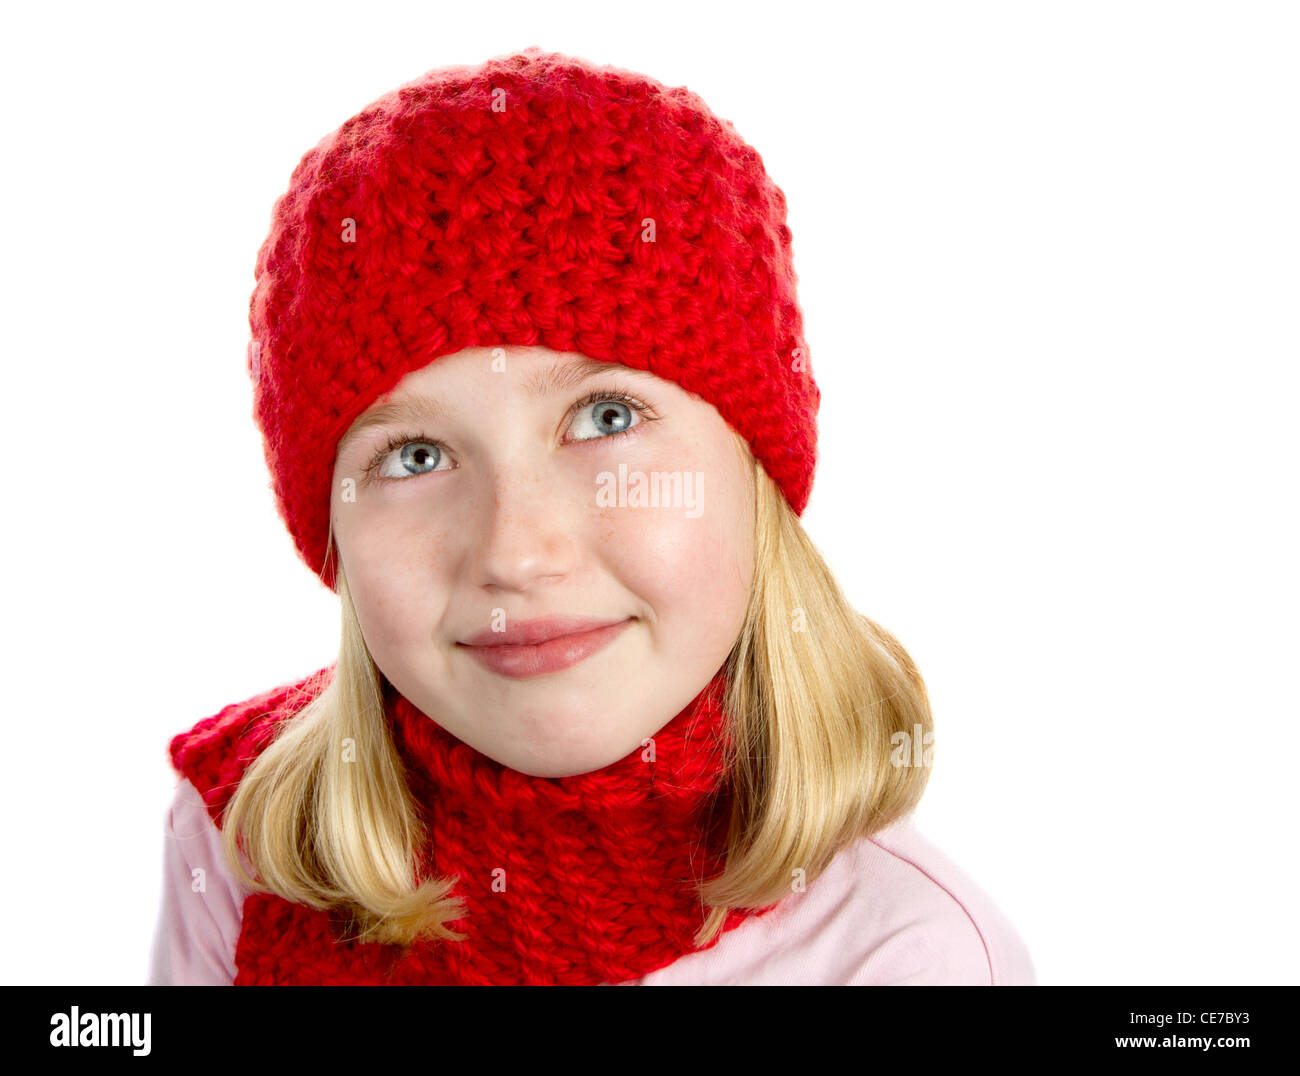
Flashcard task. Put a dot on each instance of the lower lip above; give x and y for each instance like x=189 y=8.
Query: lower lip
x=522 y=662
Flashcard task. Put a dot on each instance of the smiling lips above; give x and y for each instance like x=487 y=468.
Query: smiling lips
x=535 y=647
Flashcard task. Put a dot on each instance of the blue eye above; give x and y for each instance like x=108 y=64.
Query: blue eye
x=409 y=454
x=607 y=414
x=417 y=456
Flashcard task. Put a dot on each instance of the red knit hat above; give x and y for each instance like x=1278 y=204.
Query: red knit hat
x=534 y=200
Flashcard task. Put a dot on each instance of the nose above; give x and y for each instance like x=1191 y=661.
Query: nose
x=524 y=535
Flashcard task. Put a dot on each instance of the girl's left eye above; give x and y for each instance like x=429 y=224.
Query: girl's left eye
x=607 y=413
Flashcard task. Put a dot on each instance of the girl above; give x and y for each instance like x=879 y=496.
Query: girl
x=529 y=367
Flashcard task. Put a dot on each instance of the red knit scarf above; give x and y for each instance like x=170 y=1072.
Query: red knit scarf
x=599 y=868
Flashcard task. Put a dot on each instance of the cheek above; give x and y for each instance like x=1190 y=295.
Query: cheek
x=694 y=573
x=384 y=550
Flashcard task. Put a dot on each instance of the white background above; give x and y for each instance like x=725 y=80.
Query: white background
x=1047 y=257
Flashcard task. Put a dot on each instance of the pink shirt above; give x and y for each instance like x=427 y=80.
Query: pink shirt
x=890 y=910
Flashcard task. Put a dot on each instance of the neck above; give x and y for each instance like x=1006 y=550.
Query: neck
x=583 y=879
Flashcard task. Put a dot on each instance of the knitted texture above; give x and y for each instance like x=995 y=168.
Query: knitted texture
x=581 y=880
x=534 y=200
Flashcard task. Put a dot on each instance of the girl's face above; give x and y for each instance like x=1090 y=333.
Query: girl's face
x=495 y=499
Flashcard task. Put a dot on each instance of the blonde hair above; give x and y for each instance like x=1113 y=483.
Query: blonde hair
x=816 y=694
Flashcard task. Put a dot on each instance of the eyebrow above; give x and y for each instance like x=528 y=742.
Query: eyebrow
x=559 y=376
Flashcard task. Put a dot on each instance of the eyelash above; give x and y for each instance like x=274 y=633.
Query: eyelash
x=400 y=439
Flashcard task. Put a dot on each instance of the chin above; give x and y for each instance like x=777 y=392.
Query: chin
x=568 y=764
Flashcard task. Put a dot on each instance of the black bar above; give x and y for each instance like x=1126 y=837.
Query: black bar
x=659 y=1025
